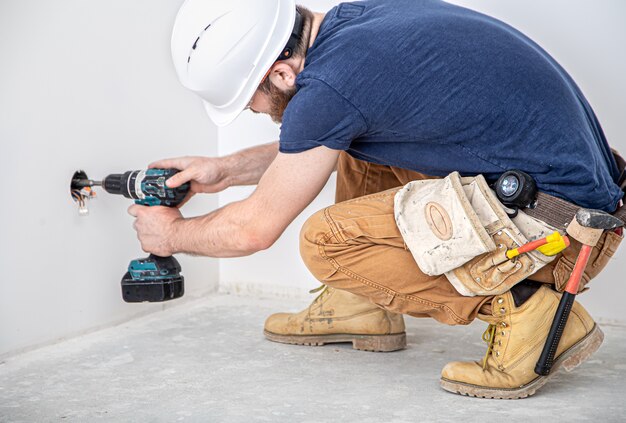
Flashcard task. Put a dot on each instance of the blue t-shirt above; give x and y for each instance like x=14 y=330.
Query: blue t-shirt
x=436 y=88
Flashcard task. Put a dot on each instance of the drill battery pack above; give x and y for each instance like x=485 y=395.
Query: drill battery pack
x=153 y=279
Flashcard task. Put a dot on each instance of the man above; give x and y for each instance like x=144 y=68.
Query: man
x=386 y=92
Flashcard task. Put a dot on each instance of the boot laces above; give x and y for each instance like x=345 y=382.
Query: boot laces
x=489 y=336
x=322 y=289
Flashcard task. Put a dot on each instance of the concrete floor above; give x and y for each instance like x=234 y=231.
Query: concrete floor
x=208 y=362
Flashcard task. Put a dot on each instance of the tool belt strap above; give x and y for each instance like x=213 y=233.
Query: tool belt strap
x=559 y=213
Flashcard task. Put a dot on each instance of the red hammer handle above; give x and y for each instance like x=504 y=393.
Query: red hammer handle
x=546 y=359
x=577 y=274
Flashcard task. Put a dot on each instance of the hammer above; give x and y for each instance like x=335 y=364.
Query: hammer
x=587 y=227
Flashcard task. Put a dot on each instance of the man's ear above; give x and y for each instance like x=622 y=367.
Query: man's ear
x=283 y=76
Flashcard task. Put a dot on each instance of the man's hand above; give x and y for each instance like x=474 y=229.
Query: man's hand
x=156 y=228
x=205 y=174
x=210 y=175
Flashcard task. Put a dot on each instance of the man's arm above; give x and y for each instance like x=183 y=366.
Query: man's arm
x=290 y=184
x=246 y=167
x=215 y=174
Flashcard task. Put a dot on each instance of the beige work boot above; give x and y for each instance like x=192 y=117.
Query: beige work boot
x=339 y=316
x=516 y=337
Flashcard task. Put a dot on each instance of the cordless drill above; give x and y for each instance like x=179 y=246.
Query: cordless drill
x=151 y=279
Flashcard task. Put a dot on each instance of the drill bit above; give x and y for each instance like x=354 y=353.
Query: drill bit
x=85 y=183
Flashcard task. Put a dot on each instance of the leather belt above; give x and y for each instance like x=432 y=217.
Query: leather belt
x=559 y=213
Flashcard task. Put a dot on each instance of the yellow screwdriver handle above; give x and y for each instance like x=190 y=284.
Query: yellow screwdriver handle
x=548 y=246
x=555 y=247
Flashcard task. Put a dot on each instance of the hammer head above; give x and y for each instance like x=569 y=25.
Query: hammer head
x=597 y=219
x=589 y=225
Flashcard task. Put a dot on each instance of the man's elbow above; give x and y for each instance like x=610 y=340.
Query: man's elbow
x=256 y=241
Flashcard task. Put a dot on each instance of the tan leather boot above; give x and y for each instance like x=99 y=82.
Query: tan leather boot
x=516 y=337
x=339 y=316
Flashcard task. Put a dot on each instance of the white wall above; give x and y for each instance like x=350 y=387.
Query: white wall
x=587 y=38
x=84 y=84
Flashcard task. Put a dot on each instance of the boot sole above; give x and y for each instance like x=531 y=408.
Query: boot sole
x=374 y=343
x=569 y=360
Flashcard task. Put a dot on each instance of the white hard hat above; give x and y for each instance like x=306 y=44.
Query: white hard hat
x=222 y=49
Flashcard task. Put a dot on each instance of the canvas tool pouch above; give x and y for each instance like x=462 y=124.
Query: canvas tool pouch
x=457 y=227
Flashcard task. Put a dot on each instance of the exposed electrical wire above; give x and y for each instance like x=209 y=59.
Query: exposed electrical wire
x=81 y=196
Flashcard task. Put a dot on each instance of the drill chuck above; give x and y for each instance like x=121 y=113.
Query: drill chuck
x=113 y=184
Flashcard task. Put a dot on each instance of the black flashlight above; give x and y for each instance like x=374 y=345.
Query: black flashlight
x=516 y=189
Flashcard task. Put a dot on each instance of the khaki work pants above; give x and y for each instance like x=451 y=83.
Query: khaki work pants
x=355 y=246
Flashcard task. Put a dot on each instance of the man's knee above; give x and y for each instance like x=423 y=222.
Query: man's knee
x=315 y=237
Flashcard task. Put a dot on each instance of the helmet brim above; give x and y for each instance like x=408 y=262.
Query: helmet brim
x=222 y=116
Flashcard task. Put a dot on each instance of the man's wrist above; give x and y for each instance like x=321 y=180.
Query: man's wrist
x=225 y=167
x=177 y=236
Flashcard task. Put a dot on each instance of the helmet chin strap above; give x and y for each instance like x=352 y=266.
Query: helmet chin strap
x=293 y=39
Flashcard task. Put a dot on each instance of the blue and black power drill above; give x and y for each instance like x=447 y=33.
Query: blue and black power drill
x=152 y=279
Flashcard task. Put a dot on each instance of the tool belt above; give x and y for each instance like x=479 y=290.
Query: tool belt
x=457 y=227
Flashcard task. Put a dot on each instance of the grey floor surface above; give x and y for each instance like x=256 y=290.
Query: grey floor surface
x=208 y=362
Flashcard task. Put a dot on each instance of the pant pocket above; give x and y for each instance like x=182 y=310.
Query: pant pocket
x=612 y=242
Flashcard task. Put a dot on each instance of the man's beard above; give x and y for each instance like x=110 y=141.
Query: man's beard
x=279 y=100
